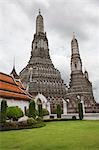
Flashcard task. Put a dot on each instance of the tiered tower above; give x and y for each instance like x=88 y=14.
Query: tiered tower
x=79 y=86
x=40 y=75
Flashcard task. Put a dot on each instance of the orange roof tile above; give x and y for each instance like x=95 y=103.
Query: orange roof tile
x=9 y=88
x=8 y=94
x=6 y=78
x=20 y=84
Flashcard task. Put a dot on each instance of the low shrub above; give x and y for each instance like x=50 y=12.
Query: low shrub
x=31 y=121
x=8 y=126
x=45 y=112
x=38 y=125
x=74 y=117
x=27 y=112
x=52 y=117
x=39 y=119
x=20 y=125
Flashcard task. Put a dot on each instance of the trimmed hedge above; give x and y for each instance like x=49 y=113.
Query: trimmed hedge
x=39 y=119
x=74 y=117
x=20 y=125
x=31 y=121
x=58 y=119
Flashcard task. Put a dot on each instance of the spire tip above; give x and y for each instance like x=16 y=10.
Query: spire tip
x=39 y=11
x=73 y=35
x=14 y=62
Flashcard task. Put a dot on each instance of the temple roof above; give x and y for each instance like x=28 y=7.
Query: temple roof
x=12 y=89
x=14 y=73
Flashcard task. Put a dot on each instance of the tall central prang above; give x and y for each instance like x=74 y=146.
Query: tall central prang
x=40 y=75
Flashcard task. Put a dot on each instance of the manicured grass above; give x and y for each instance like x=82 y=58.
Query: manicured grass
x=65 y=135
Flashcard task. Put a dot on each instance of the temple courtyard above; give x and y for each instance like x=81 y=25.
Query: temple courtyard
x=63 y=135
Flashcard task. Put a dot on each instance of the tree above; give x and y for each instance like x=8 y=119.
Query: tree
x=14 y=113
x=32 y=110
x=3 y=111
x=80 y=110
x=40 y=112
x=59 y=111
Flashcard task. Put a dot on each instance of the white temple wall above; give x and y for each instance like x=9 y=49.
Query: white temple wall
x=20 y=103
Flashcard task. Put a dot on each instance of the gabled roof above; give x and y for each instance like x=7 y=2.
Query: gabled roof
x=12 y=89
x=14 y=73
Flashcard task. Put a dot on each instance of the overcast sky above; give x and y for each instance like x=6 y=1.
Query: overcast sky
x=61 y=19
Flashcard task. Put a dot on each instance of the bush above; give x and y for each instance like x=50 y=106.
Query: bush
x=22 y=124
x=3 y=112
x=31 y=121
x=14 y=113
x=59 y=111
x=39 y=125
x=27 y=113
x=32 y=110
x=39 y=119
x=29 y=124
x=8 y=126
x=45 y=112
x=74 y=117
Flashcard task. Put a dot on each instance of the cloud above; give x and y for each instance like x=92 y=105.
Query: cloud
x=61 y=19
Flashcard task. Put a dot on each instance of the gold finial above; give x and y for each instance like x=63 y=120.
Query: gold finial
x=73 y=35
x=39 y=11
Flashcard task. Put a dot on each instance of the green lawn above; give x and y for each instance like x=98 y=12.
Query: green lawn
x=65 y=135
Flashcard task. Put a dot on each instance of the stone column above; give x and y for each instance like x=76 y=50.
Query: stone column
x=64 y=107
x=48 y=107
x=82 y=101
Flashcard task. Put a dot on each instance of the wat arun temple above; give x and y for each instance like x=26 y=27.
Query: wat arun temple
x=41 y=77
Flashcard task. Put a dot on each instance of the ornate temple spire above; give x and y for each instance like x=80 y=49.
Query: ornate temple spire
x=40 y=42
x=39 y=23
x=76 y=63
x=74 y=45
